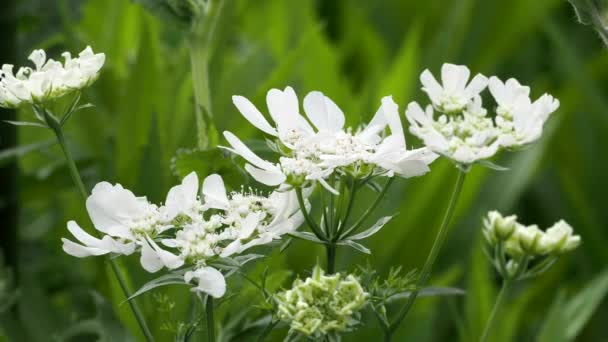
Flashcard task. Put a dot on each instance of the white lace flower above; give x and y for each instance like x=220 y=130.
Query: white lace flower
x=50 y=79
x=466 y=138
x=519 y=119
x=313 y=155
x=454 y=94
x=462 y=131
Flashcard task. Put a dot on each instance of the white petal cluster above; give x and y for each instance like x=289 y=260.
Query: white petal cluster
x=315 y=146
x=49 y=79
x=463 y=131
x=188 y=229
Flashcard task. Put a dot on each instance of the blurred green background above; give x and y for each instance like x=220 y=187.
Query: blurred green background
x=355 y=52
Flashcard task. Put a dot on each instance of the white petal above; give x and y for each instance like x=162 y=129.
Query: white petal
x=272 y=177
x=181 y=197
x=430 y=85
x=253 y=115
x=214 y=192
x=80 y=251
x=249 y=225
x=149 y=258
x=391 y=113
x=478 y=83
x=38 y=57
x=241 y=149
x=111 y=206
x=454 y=77
x=323 y=112
x=81 y=235
x=210 y=281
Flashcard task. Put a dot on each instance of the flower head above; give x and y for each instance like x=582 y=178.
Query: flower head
x=462 y=130
x=49 y=79
x=312 y=154
x=516 y=245
x=322 y=304
x=188 y=229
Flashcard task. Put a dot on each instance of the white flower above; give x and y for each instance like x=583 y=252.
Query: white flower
x=182 y=199
x=93 y=246
x=209 y=280
x=520 y=120
x=463 y=132
x=465 y=139
x=313 y=155
x=153 y=258
x=454 y=94
x=50 y=79
x=125 y=220
x=559 y=238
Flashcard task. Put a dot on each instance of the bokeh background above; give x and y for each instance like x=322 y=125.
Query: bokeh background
x=355 y=52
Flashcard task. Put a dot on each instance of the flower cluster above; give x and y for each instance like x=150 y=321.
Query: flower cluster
x=522 y=244
x=322 y=304
x=50 y=79
x=193 y=230
x=464 y=132
x=312 y=155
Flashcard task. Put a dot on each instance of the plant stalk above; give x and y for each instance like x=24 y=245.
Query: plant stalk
x=506 y=285
x=432 y=257
x=200 y=40
x=210 y=320
x=56 y=127
x=330 y=248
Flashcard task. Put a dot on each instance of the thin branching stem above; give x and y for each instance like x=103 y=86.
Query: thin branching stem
x=367 y=212
x=309 y=220
x=506 y=285
x=210 y=319
x=432 y=257
x=55 y=126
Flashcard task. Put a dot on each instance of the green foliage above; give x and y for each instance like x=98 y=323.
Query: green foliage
x=355 y=52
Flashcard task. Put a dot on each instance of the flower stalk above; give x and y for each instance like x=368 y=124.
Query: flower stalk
x=55 y=126
x=506 y=285
x=200 y=40
x=210 y=319
x=430 y=261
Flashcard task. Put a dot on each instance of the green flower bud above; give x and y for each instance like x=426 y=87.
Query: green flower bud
x=529 y=238
x=322 y=304
x=503 y=226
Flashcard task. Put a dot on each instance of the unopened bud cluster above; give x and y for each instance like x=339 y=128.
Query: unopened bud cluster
x=517 y=245
x=322 y=304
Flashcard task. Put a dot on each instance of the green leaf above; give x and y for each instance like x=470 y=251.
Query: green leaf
x=167 y=279
x=306 y=236
x=26 y=123
x=373 y=229
x=355 y=245
x=19 y=151
x=431 y=292
x=206 y=162
x=492 y=166
x=567 y=318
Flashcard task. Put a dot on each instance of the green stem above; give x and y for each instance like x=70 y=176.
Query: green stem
x=201 y=39
x=437 y=244
x=330 y=248
x=267 y=331
x=54 y=124
x=210 y=321
x=311 y=223
x=349 y=207
x=368 y=211
x=506 y=285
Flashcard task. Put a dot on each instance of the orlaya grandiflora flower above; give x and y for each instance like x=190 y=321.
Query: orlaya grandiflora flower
x=50 y=79
x=463 y=132
x=312 y=154
x=519 y=119
x=187 y=229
